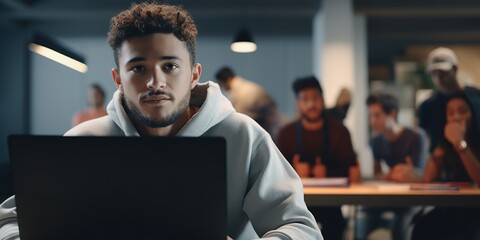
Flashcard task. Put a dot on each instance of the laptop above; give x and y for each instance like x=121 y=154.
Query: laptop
x=119 y=187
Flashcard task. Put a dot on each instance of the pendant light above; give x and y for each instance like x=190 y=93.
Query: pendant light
x=49 y=48
x=243 y=42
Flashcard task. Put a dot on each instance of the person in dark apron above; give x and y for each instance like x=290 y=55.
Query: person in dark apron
x=318 y=146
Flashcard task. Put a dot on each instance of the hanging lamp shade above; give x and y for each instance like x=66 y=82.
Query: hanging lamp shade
x=50 y=48
x=243 y=42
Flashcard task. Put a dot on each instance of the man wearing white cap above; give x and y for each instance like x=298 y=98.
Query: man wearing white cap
x=442 y=65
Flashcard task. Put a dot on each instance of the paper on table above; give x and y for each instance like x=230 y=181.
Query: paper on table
x=390 y=186
x=325 y=182
x=435 y=186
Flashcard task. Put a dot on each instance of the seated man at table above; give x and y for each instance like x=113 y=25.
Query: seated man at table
x=392 y=144
x=159 y=94
x=318 y=146
x=455 y=159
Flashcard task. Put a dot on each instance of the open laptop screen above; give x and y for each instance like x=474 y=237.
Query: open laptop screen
x=119 y=187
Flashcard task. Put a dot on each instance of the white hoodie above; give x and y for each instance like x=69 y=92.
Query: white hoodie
x=265 y=195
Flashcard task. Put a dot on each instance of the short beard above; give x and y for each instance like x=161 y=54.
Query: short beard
x=312 y=120
x=134 y=112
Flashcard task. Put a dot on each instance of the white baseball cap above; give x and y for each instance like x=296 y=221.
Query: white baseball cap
x=441 y=59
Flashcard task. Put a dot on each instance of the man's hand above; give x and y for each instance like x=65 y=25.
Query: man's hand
x=302 y=168
x=455 y=132
x=438 y=153
x=319 y=170
x=354 y=173
x=404 y=172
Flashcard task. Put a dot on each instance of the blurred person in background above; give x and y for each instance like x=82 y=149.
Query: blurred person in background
x=456 y=158
x=318 y=146
x=340 y=110
x=442 y=65
x=250 y=99
x=96 y=108
x=392 y=144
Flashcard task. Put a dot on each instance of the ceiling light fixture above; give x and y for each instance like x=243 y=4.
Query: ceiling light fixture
x=50 y=49
x=243 y=42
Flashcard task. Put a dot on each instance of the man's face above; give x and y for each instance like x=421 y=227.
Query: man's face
x=225 y=85
x=310 y=104
x=155 y=77
x=445 y=81
x=95 y=98
x=379 y=120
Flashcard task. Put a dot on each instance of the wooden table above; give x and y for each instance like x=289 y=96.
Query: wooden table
x=372 y=195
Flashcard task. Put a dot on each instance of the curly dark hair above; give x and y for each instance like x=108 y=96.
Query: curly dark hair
x=143 y=19
x=306 y=82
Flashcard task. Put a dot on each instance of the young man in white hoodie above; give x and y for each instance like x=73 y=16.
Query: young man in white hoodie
x=159 y=95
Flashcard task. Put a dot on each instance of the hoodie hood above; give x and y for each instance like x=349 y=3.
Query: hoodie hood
x=214 y=107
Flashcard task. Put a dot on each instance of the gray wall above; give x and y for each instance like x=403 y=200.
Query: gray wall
x=55 y=96
x=58 y=92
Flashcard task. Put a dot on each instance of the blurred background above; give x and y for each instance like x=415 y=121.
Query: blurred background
x=363 y=45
